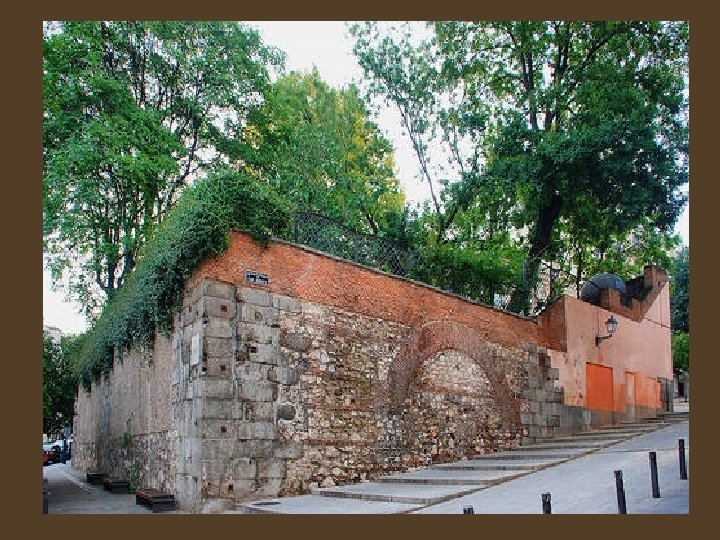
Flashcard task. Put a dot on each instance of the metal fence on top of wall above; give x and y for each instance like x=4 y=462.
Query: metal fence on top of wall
x=326 y=235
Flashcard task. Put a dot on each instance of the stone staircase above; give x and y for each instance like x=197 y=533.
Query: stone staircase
x=409 y=491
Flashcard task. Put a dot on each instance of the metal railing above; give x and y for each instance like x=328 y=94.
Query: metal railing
x=324 y=234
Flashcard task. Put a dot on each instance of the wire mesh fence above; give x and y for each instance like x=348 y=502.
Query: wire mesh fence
x=328 y=236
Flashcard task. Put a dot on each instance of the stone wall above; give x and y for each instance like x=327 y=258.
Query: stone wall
x=328 y=373
x=125 y=425
x=283 y=395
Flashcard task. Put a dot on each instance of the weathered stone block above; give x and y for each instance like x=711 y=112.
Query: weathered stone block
x=270 y=487
x=254 y=296
x=242 y=468
x=282 y=375
x=218 y=367
x=241 y=487
x=215 y=289
x=285 y=412
x=554 y=421
x=271 y=468
x=553 y=374
x=249 y=371
x=526 y=418
x=255 y=391
x=218 y=408
x=263 y=353
x=215 y=388
x=288 y=450
x=258 y=333
x=218 y=328
x=218 y=428
x=534 y=406
x=258 y=411
x=295 y=341
x=287 y=303
x=218 y=449
x=251 y=313
x=255 y=449
x=216 y=307
x=256 y=430
x=219 y=347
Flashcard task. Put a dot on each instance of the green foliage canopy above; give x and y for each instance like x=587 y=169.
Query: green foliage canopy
x=133 y=110
x=681 y=350
x=59 y=383
x=680 y=292
x=197 y=227
x=317 y=145
x=573 y=134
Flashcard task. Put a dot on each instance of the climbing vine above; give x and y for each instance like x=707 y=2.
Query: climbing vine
x=197 y=227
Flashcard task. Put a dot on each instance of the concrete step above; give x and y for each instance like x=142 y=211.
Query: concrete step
x=490 y=464
x=437 y=476
x=399 y=492
x=569 y=444
x=600 y=438
x=538 y=453
x=317 y=504
x=621 y=431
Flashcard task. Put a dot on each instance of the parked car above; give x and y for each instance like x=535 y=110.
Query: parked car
x=59 y=444
x=51 y=454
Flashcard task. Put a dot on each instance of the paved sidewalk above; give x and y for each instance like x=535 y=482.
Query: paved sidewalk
x=71 y=494
x=587 y=485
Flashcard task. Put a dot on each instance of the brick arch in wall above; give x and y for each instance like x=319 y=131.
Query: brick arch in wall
x=436 y=336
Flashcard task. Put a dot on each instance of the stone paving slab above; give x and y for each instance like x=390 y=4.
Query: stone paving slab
x=318 y=504
x=451 y=476
x=499 y=464
x=398 y=492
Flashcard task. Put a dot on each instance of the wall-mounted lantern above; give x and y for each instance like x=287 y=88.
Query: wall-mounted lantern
x=611 y=325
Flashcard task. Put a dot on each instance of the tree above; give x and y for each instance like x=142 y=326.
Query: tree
x=132 y=112
x=317 y=146
x=59 y=384
x=462 y=240
x=571 y=125
x=681 y=350
x=680 y=309
x=680 y=292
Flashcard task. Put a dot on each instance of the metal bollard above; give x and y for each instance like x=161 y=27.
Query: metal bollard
x=546 y=506
x=683 y=465
x=468 y=510
x=654 y=476
x=622 y=508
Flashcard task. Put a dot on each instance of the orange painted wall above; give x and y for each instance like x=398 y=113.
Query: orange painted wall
x=642 y=348
x=599 y=387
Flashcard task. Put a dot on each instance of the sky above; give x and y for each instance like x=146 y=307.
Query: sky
x=326 y=46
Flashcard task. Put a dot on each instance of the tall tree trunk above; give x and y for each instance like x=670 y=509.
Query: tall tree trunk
x=540 y=239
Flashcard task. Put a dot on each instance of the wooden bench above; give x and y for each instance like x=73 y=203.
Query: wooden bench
x=95 y=478
x=116 y=485
x=155 y=499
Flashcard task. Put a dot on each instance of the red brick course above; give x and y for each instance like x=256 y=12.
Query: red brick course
x=300 y=273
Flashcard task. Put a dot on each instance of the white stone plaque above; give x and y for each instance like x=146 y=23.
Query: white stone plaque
x=195 y=350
